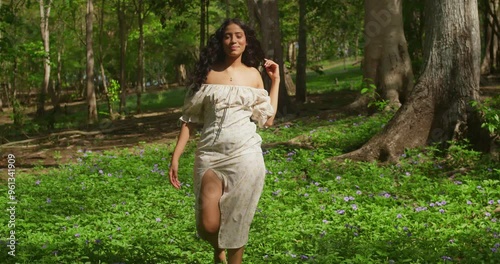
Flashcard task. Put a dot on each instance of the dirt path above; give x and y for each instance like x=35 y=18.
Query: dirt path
x=51 y=150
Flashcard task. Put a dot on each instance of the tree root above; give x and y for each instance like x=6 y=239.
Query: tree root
x=63 y=133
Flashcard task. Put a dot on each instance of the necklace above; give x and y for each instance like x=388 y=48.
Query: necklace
x=226 y=72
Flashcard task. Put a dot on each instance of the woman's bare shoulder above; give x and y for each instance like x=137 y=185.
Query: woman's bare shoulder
x=255 y=75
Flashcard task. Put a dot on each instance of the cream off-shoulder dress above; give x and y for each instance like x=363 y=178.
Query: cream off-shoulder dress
x=231 y=148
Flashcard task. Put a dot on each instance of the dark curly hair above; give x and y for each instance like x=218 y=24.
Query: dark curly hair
x=213 y=52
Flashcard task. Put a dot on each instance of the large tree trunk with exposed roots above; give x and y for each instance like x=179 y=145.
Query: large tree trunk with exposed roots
x=438 y=108
x=387 y=62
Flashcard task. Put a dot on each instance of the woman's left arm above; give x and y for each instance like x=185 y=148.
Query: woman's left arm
x=273 y=71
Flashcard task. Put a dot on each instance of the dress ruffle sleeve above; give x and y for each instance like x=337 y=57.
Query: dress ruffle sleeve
x=192 y=111
x=262 y=109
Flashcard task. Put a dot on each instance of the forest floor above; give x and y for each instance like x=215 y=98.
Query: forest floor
x=51 y=149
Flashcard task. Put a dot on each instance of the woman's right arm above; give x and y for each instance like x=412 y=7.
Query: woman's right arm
x=182 y=140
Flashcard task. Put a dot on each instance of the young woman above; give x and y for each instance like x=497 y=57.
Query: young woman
x=228 y=97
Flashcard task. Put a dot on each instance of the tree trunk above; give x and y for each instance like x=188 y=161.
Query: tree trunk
x=181 y=74
x=140 y=58
x=101 y=63
x=12 y=92
x=491 y=39
x=387 y=62
x=91 y=98
x=301 y=90
x=437 y=110
x=44 y=29
x=122 y=24
x=266 y=12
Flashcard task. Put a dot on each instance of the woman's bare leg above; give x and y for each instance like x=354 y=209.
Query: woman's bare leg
x=210 y=194
x=235 y=256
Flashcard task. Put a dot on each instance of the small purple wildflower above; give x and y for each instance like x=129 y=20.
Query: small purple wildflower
x=38 y=182
x=445 y=258
x=341 y=212
x=338 y=178
x=158 y=219
x=407 y=174
x=399 y=216
x=77 y=235
x=325 y=221
x=469 y=202
x=358 y=192
x=354 y=207
x=441 y=211
x=491 y=202
x=387 y=195
x=487 y=214
x=306 y=195
x=432 y=204
x=457 y=182
x=419 y=209
x=49 y=200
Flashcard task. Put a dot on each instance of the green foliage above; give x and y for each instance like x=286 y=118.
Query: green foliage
x=490 y=111
x=114 y=90
x=18 y=116
x=118 y=206
x=369 y=89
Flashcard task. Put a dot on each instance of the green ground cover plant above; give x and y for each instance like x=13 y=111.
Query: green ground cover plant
x=117 y=206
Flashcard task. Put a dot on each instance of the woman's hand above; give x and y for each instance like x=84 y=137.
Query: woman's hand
x=272 y=69
x=174 y=178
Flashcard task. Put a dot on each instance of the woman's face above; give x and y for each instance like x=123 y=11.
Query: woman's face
x=234 y=40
